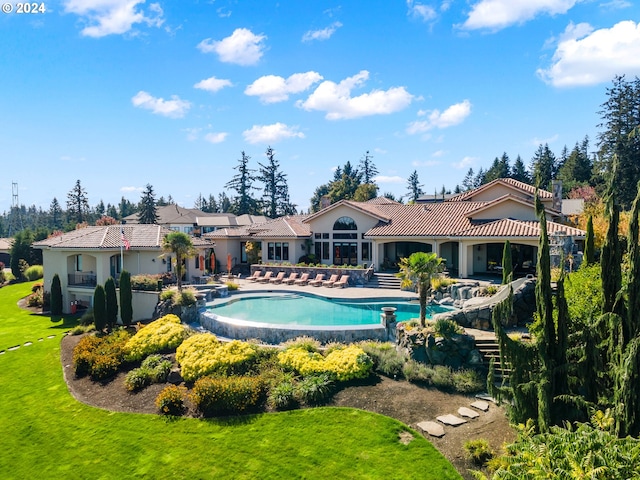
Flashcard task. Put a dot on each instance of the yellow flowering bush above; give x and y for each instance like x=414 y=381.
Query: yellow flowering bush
x=203 y=354
x=342 y=363
x=219 y=396
x=162 y=335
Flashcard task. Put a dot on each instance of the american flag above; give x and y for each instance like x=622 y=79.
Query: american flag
x=125 y=242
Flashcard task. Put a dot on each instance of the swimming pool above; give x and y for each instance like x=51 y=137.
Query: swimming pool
x=278 y=317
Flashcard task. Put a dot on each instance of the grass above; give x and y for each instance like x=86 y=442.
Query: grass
x=46 y=433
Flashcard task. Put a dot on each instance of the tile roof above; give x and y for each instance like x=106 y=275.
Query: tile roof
x=508 y=227
x=516 y=184
x=175 y=214
x=5 y=243
x=365 y=207
x=291 y=226
x=109 y=237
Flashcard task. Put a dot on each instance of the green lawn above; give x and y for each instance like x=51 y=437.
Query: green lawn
x=47 y=434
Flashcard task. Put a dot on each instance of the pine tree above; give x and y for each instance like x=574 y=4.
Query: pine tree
x=111 y=299
x=414 y=187
x=611 y=255
x=543 y=166
x=519 y=171
x=242 y=184
x=499 y=169
x=368 y=169
x=126 y=298
x=275 y=197
x=148 y=212
x=468 y=182
x=77 y=204
x=55 y=214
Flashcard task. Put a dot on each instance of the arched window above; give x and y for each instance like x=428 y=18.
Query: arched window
x=345 y=223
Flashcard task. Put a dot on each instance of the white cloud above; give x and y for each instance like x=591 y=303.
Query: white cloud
x=616 y=5
x=336 y=100
x=587 y=57
x=107 y=17
x=174 y=108
x=216 y=137
x=131 y=189
x=212 y=84
x=243 y=47
x=271 y=133
x=466 y=162
x=323 y=34
x=499 y=14
x=421 y=11
x=388 y=179
x=453 y=115
x=272 y=88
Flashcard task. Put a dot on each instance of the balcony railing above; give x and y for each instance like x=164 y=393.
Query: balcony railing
x=80 y=279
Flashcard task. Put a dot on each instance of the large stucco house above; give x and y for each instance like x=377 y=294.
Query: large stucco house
x=468 y=230
x=88 y=256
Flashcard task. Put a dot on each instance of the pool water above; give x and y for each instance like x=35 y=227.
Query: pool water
x=293 y=309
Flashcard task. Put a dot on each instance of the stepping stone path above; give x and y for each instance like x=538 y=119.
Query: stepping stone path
x=481 y=405
x=467 y=412
x=432 y=428
x=451 y=420
x=437 y=430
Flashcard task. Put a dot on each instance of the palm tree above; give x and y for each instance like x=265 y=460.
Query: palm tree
x=418 y=269
x=179 y=244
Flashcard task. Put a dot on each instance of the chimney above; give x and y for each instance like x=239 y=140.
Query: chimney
x=556 y=191
x=325 y=201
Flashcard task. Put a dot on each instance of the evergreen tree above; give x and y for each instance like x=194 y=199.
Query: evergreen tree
x=365 y=191
x=112 y=211
x=414 y=187
x=111 y=299
x=368 y=169
x=345 y=187
x=126 y=298
x=589 y=246
x=224 y=203
x=469 y=183
x=499 y=169
x=275 y=197
x=99 y=309
x=543 y=166
x=576 y=169
x=148 y=212
x=126 y=208
x=56 y=296
x=619 y=142
x=319 y=192
x=519 y=171
x=611 y=255
x=100 y=209
x=242 y=184
x=479 y=180
x=77 y=204
x=55 y=214
x=21 y=251
x=507 y=266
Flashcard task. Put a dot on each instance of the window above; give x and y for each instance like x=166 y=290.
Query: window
x=78 y=263
x=317 y=235
x=188 y=230
x=345 y=223
x=366 y=251
x=345 y=253
x=278 y=251
x=325 y=251
x=243 y=252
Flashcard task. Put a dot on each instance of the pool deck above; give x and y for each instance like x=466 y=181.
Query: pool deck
x=247 y=286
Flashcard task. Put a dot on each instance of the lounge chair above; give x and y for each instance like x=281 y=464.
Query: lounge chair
x=292 y=278
x=316 y=282
x=343 y=282
x=331 y=281
x=278 y=278
x=266 y=278
x=303 y=280
x=255 y=277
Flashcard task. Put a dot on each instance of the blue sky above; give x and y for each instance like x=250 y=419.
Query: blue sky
x=122 y=93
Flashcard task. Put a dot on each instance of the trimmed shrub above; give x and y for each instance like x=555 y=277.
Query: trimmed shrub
x=315 y=389
x=34 y=272
x=162 y=335
x=170 y=401
x=185 y=298
x=202 y=355
x=442 y=377
x=227 y=395
x=56 y=296
x=137 y=379
x=166 y=295
x=447 y=328
x=232 y=286
x=154 y=369
x=346 y=363
x=479 y=451
x=416 y=372
x=309 y=344
x=100 y=357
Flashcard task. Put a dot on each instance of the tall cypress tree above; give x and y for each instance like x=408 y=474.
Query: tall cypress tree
x=99 y=309
x=111 y=303
x=56 y=296
x=126 y=298
x=611 y=255
x=589 y=247
x=507 y=266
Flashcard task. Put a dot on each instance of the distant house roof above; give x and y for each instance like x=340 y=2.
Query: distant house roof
x=5 y=244
x=516 y=185
x=175 y=214
x=140 y=237
x=222 y=220
x=572 y=206
x=290 y=226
